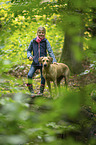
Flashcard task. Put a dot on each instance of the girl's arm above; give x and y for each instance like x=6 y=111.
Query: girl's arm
x=50 y=51
x=29 y=50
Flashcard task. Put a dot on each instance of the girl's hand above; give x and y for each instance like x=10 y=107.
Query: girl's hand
x=54 y=62
x=30 y=58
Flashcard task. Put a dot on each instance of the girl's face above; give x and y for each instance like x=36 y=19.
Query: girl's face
x=41 y=34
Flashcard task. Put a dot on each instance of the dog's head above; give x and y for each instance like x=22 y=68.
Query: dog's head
x=46 y=61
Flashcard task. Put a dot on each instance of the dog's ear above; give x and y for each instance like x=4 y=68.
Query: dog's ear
x=40 y=59
x=51 y=59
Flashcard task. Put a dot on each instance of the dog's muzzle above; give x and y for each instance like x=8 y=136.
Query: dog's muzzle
x=45 y=65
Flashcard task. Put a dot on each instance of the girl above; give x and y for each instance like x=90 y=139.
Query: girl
x=39 y=46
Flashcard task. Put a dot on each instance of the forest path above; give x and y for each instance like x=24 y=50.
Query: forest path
x=16 y=79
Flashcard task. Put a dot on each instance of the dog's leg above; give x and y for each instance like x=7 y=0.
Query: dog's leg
x=55 y=82
x=67 y=74
x=55 y=86
x=49 y=86
x=66 y=81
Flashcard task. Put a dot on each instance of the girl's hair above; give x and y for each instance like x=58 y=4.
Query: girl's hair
x=42 y=28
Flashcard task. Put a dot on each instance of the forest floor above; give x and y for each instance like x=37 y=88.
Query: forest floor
x=16 y=79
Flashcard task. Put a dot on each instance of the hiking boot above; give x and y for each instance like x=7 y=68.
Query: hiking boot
x=30 y=87
x=41 y=89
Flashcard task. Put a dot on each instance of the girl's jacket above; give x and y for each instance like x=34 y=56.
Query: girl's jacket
x=39 y=50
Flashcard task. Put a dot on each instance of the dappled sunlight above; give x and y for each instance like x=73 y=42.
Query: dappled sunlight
x=67 y=115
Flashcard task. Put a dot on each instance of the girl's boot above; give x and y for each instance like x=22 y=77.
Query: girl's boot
x=30 y=87
x=41 y=89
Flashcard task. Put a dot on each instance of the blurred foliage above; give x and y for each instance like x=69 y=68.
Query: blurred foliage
x=66 y=118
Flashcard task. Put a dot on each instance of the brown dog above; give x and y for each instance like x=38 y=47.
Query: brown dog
x=54 y=72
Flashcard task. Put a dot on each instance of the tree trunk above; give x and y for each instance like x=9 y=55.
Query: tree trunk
x=71 y=53
x=73 y=45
